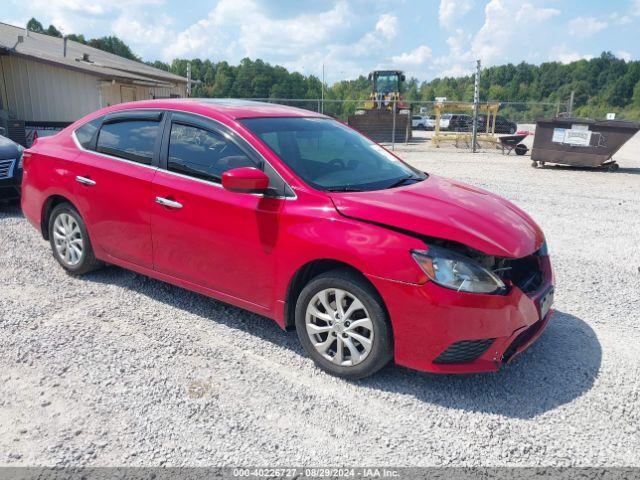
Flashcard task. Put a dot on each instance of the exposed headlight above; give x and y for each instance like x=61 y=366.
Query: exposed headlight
x=20 y=159
x=457 y=272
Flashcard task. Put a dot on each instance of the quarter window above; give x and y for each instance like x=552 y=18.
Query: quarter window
x=203 y=154
x=132 y=140
x=85 y=133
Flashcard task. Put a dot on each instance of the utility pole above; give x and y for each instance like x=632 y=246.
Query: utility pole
x=322 y=92
x=188 y=79
x=476 y=100
x=393 y=131
x=573 y=94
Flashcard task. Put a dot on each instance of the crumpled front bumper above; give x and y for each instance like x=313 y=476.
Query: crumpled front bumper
x=440 y=330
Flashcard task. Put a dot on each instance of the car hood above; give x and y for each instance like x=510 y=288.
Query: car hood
x=8 y=148
x=450 y=210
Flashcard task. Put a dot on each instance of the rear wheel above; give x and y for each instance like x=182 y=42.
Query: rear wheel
x=343 y=326
x=69 y=240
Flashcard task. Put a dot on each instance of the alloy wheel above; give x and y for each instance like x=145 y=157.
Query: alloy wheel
x=68 y=240
x=339 y=327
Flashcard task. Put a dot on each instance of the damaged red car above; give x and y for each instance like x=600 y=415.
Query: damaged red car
x=295 y=216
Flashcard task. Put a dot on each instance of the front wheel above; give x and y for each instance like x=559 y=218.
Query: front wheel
x=343 y=326
x=69 y=240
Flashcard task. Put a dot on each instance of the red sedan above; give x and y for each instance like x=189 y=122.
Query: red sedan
x=297 y=217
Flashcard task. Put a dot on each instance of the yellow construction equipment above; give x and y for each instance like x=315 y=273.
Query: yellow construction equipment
x=385 y=116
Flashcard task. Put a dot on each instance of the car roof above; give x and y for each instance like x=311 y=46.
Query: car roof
x=227 y=107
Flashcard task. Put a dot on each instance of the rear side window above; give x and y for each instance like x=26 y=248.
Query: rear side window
x=85 y=133
x=132 y=140
x=203 y=154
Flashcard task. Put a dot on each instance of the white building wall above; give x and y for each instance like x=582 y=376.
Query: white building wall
x=112 y=92
x=39 y=92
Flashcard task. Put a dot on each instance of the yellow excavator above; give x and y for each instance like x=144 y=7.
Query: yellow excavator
x=385 y=116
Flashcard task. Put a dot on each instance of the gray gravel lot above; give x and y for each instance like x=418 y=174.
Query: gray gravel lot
x=117 y=369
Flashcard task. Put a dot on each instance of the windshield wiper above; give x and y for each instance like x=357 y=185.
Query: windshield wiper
x=344 y=188
x=402 y=181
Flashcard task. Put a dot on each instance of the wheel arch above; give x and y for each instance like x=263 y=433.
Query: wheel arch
x=47 y=207
x=309 y=271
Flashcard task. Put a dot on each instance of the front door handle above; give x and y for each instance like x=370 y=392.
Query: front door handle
x=85 y=181
x=168 y=203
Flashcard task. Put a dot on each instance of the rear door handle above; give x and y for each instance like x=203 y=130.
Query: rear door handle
x=168 y=203
x=85 y=181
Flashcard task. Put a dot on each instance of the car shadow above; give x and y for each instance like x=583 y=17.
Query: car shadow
x=629 y=170
x=561 y=366
x=10 y=209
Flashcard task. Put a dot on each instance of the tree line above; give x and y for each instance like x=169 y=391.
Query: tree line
x=600 y=85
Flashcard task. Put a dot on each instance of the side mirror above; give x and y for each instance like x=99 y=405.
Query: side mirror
x=245 y=180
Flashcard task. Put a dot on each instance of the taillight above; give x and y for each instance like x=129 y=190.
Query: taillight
x=24 y=155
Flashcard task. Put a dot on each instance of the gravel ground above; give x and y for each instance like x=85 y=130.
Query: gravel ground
x=117 y=369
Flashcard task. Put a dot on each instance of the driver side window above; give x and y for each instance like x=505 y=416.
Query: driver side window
x=203 y=154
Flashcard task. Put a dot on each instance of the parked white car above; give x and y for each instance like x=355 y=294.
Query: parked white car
x=445 y=118
x=419 y=121
x=425 y=122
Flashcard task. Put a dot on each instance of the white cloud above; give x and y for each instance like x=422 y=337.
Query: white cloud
x=415 y=57
x=457 y=44
x=81 y=16
x=509 y=26
x=586 y=26
x=573 y=57
x=452 y=10
x=626 y=56
x=143 y=32
x=562 y=54
x=387 y=25
x=240 y=28
x=456 y=70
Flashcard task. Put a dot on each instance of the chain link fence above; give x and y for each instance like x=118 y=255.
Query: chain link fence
x=419 y=121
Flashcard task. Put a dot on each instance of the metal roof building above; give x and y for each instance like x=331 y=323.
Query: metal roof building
x=48 y=82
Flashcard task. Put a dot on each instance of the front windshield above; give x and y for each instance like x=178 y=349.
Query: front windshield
x=386 y=83
x=330 y=156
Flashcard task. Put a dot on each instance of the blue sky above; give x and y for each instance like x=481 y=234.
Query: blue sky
x=426 y=38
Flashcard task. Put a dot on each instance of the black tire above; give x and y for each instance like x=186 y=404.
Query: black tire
x=521 y=149
x=87 y=261
x=512 y=130
x=381 y=351
x=612 y=167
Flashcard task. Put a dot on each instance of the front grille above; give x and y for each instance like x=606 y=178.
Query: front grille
x=521 y=339
x=524 y=272
x=6 y=168
x=464 y=351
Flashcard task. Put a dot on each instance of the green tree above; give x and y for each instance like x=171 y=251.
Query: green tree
x=77 y=38
x=35 y=26
x=52 y=31
x=113 y=45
